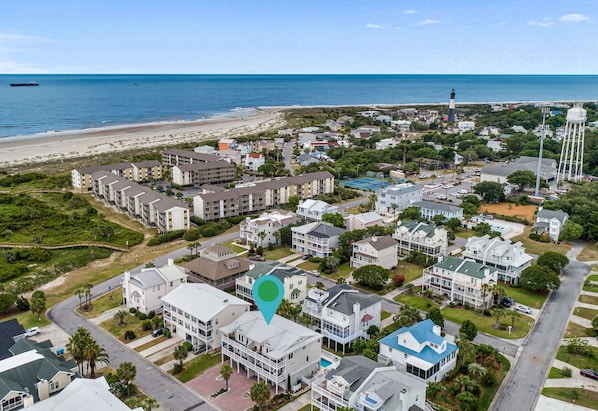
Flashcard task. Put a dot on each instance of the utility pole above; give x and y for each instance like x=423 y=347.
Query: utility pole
x=545 y=110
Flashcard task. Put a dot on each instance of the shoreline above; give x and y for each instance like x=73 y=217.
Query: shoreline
x=70 y=144
x=62 y=145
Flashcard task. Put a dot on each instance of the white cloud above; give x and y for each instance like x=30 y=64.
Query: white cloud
x=6 y=37
x=573 y=18
x=427 y=22
x=373 y=26
x=409 y=11
x=545 y=22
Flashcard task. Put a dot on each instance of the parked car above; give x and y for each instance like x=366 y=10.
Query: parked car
x=523 y=309
x=587 y=372
x=257 y=258
x=305 y=257
x=157 y=332
x=32 y=331
x=507 y=301
x=463 y=191
x=441 y=197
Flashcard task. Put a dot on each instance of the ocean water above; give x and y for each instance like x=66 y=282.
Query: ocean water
x=74 y=102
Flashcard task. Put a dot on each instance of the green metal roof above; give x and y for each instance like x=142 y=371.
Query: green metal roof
x=464 y=266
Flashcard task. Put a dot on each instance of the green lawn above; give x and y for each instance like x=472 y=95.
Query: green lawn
x=133 y=323
x=409 y=270
x=196 y=366
x=421 y=303
x=526 y=297
x=277 y=253
x=577 y=360
x=536 y=247
x=577 y=396
x=384 y=315
x=586 y=313
x=104 y=303
x=556 y=373
x=593 y=288
x=588 y=299
x=486 y=324
x=593 y=277
x=151 y=343
x=308 y=266
x=464 y=233
x=235 y=247
x=576 y=330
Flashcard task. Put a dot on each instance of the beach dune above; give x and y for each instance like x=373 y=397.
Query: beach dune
x=95 y=142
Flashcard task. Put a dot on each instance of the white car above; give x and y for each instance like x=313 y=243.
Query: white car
x=463 y=191
x=523 y=309
x=441 y=197
x=32 y=331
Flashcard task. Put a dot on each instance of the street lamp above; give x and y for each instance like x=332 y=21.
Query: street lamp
x=545 y=110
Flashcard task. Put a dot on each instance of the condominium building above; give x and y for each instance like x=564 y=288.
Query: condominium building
x=362 y=384
x=461 y=280
x=140 y=172
x=342 y=313
x=419 y=350
x=509 y=258
x=176 y=157
x=263 y=230
x=427 y=239
x=218 y=266
x=293 y=279
x=381 y=251
x=197 y=174
x=196 y=312
x=281 y=353
x=317 y=239
x=151 y=208
x=252 y=198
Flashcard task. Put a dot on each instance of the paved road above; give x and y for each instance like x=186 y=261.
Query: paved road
x=287 y=153
x=523 y=385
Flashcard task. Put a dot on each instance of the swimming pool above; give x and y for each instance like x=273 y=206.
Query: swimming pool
x=324 y=362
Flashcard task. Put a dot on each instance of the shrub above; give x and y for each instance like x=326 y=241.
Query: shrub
x=140 y=315
x=146 y=325
x=151 y=314
x=130 y=335
x=167 y=333
x=566 y=372
x=192 y=235
x=166 y=238
x=132 y=310
x=188 y=345
x=398 y=280
x=489 y=379
x=22 y=303
x=177 y=368
x=196 y=220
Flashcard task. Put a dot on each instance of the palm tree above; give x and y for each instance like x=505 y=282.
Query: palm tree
x=498 y=291
x=150 y=403
x=514 y=315
x=284 y=309
x=87 y=287
x=76 y=346
x=261 y=235
x=464 y=383
x=497 y=314
x=38 y=303
x=79 y=293
x=260 y=394
x=225 y=372
x=485 y=351
x=126 y=373
x=180 y=353
x=277 y=235
x=466 y=351
x=394 y=207
x=372 y=200
x=95 y=354
x=476 y=371
x=120 y=317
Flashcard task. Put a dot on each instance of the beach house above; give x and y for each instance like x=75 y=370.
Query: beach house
x=318 y=239
x=265 y=229
x=218 y=266
x=381 y=251
x=425 y=238
x=293 y=279
x=313 y=210
x=550 y=222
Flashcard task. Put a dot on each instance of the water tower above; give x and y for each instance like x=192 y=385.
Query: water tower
x=571 y=161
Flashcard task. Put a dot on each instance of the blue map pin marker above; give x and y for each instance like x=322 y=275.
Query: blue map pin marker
x=267 y=293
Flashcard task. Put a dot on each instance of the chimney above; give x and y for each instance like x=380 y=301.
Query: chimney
x=170 y=262
x=440 y=258
x=43 y=389
x=127 y=276
x=436 y=330
x=486 y=272
x=374 y=239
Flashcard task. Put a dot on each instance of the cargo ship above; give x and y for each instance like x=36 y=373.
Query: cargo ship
x=29 y=84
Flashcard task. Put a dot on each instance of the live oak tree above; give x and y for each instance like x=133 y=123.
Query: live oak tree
x=571 y=231
x=336 y=219
x=490 y=191
x=553 y=260
x=540 y=278
x=522 y=179
x=372 y=276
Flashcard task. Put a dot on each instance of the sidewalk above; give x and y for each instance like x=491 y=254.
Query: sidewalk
x=108 y=315
x=576 y=380
x=300 y=402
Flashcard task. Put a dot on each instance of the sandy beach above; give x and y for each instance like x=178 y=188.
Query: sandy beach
x=95 y=142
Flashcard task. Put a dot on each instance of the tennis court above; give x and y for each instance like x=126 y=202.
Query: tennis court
x=365 y=183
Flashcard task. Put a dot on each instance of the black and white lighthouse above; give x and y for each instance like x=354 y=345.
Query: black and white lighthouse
x=451 y=115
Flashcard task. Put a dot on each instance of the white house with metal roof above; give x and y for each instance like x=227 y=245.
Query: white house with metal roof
x=550 y=222
x=281 y=353
x=420 y=350
x=143 y=290
x=395 y=198
x=427 y=239
x=313 y=210
x=318 y=239
x=293 y=279
x=343 y=313
x=362 y=221
x=362 y=384
x=461 y=280
x=509 y=258
x=430 y=209
x=381 y=251
x=261 y=230
x=196 y=312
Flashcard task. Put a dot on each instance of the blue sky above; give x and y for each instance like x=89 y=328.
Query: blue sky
x=303 y=36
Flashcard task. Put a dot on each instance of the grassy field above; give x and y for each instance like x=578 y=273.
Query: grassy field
x=409 y=270
x=196 y=366
x=536 y=247
x=526 y=297
x=308 y=266
x=486 y=324
x=577 y=360
x=527 y=212
x=556 y=373
x=133 y=323
x=592 y=288
x=593 y=277
x=588 y=299
x=421 y=303
x=277 y=253
x=235 y=247
x=577 y=396
x=464 y=233
x=586 y=313
x=589 y=253
x=104 y=303
x=384 y=315
x=576 y=330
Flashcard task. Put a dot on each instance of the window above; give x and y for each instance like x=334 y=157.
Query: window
x=54 y=385
x=290 y=356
